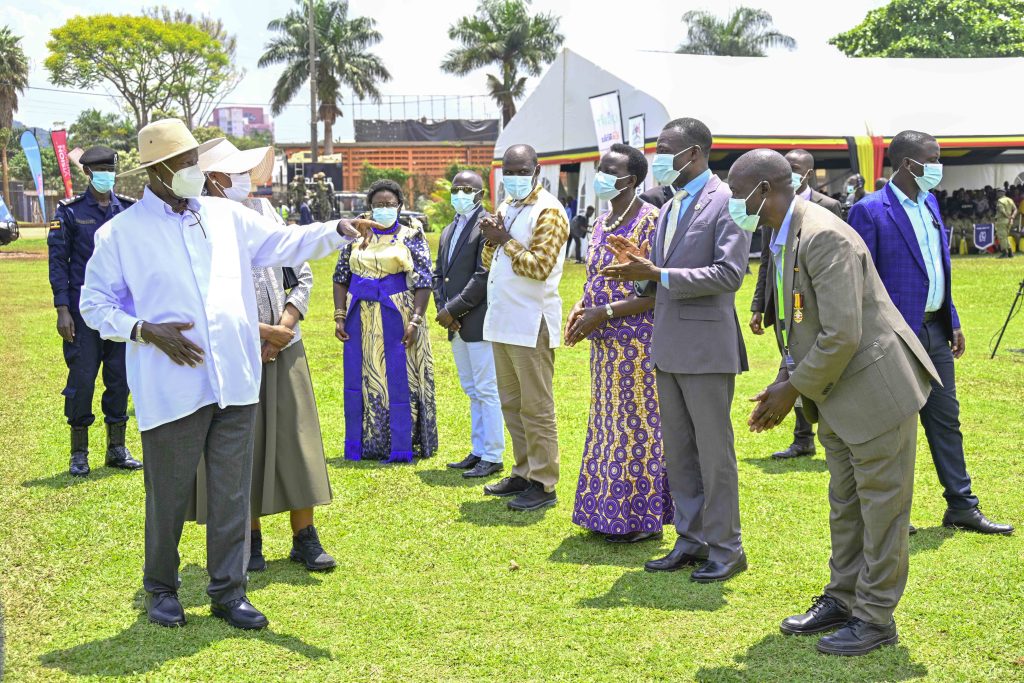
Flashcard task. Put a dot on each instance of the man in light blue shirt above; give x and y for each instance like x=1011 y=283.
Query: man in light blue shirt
x=930 y=242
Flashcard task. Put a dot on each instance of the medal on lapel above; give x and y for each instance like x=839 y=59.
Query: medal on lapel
x=798 y=307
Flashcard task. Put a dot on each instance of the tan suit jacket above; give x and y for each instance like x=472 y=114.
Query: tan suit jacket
x=858 y=364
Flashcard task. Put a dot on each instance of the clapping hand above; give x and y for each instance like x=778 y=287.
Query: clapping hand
x=493 y=229
x=631 y=261
x=773 y=404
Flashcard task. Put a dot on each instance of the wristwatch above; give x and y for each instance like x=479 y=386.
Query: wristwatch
x=137 y=333
x=609 y=311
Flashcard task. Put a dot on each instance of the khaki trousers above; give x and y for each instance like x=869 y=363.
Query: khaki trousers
x=525 y=376
x=869 y=492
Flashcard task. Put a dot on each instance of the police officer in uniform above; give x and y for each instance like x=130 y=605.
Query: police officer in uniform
x=70 y=242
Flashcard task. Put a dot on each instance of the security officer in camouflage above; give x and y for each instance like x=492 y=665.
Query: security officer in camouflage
x=70 y=242
x=297 y=192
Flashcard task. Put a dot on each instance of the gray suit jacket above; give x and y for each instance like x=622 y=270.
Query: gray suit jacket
x=460 y=284
x=858 y=363
x=695 y=326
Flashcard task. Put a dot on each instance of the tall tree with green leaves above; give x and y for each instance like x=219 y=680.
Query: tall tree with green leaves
x=343 y=59
x=13 y=81
x=503 y=33
x=938 y=28
x=747 y=32
x=94 y=127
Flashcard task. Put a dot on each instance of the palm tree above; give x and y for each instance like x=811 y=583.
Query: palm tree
x=13 y=81
x=503 y=33
x=746 y=33
x=342 y=58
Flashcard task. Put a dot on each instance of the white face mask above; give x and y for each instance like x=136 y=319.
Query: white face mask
x=241 y=186
x=187 y=182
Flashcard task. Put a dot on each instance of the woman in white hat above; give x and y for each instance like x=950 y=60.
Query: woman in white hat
x=289 y=471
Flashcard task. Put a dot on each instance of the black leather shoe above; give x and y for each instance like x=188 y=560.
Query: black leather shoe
x=79 y=465
x=118 y=455
x=533 y=498
x=239 y=613
x=164 y=609
x=306 y=549
x=257 y=562
x=710 y=572
x=483 y=469
x=795 y=450
x=973 y=519
x=674 y=561
x=858 y=637
x=826 y=613
x=509 y=486
x=913 y=530
x=466 y=463
x=634 y=537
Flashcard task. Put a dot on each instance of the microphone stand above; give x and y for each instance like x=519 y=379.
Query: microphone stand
x=1014 y=307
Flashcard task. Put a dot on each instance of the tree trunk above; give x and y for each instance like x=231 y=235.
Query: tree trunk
x=7 y=187
x=508 y=110
x=328 y=136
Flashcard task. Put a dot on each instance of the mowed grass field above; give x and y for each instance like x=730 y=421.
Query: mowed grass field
x=436 y=582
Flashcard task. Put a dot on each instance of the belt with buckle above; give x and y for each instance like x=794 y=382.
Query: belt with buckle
x=931 y=317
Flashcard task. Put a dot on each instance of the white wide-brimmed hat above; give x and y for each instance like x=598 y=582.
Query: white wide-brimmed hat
x=219 y=155
x=162 y=140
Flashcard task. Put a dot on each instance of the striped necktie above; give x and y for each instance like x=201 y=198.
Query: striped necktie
x=673 y=220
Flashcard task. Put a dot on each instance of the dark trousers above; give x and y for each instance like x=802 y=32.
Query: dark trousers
x=803 y=431
x=573 y=239
x=940 y=418
x=172 y=452
x=83 y=357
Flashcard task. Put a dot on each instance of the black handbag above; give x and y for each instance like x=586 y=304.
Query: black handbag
x=291 y=280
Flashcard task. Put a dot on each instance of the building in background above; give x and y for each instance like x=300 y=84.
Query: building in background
x=243 y=121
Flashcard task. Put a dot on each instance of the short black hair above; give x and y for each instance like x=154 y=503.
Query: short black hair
x=694 y=132
x=908 y=143
x=636 y=161
x=385 y=184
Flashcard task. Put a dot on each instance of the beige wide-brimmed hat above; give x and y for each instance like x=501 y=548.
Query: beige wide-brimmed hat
x=162 y=140
x=219 y=155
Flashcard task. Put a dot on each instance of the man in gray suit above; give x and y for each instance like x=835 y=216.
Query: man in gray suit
x=862 y=375
x=696 y=265
x=801 y=165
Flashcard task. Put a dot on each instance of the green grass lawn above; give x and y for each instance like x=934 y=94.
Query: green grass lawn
x=435 y=582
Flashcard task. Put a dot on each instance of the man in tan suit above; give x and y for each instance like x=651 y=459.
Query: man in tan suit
x=862 y=375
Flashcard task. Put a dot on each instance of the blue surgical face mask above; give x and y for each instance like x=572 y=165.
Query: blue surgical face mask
x=463 y=203
x=850 y=189
x=385 y=215
x=518 y=187
x=738 y=211
x=663 y=167
x=604 y=185
x=931 y=176
x=798 y=180
x=103 y=181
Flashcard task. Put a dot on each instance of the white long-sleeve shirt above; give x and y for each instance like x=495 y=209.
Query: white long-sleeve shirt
x=152 y=264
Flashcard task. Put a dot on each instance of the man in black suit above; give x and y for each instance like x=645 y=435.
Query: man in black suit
x=801 y=165
x=460 y=294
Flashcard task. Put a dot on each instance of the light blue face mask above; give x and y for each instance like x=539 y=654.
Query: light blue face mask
x=931 y=176
x=663 y=167
x=518 y=187
x=385 y=215
x=604 y=185
x=463 y=203
x=103 y=181
x=738 y=211
x=798 y=180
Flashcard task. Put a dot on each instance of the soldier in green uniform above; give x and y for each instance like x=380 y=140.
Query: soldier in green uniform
x=297 y=191
x=1006 y=212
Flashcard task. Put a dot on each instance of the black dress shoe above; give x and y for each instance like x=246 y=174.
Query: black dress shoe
x=795 y=450
x=710 y=571
x=164 y=609
x=257 y=562
x=79 y=465
x=973 y=519
x=509 y=486
x=858 y=637
x=674 y=561
x=825 y=613
x=239 y=613
x=913 y=530
x=483 y=469
x=533 y=498
x=634 y=537
x=466 y=463
x=118 y=455
x=306 y=549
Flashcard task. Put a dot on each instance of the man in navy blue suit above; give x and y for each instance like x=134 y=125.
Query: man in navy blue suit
x=903 y=229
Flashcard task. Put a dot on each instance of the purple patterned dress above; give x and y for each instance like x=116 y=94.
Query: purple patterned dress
x=623 y=486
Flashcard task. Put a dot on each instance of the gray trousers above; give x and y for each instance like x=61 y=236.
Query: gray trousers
x=700 y=459
x=172 y=452
x=869 y=493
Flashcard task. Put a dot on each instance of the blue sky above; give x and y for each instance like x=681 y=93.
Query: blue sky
x=414 y=42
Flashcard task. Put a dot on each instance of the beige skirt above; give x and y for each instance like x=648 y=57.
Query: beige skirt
x=289 y=470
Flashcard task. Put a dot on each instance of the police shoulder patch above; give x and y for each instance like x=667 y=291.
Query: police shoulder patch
x=55 y=225
x=125 y=199
x=71 y=200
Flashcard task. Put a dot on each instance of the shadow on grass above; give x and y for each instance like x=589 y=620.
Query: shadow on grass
x=63 y=480
x=803 y=463
x=591 y=548
x=793 y=658
x=672 y=591
x=493 y=511
x=450 y=478
x=929 y=539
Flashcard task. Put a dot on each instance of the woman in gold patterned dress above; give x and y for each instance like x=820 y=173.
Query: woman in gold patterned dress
x=382 y=285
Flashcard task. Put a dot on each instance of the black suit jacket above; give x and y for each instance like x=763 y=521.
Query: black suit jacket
x=659 y=195
x=460 y=285
x=757 y=305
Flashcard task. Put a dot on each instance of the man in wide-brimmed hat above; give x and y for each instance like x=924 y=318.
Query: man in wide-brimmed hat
x=172 y=275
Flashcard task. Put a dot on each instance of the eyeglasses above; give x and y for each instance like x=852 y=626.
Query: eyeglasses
x=385 y=205
x=464 y=189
